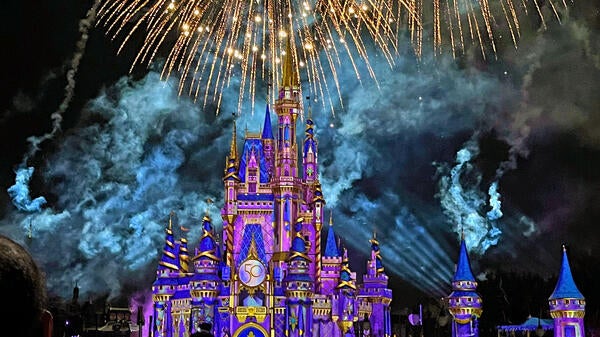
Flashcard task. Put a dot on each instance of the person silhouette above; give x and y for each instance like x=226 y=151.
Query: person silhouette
x=22 y=285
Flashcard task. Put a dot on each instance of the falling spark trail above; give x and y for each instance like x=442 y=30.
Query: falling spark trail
x=57 y=116
x=19 y=192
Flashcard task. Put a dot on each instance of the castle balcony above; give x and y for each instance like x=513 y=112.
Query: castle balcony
x=260 y=313
x=321 y=307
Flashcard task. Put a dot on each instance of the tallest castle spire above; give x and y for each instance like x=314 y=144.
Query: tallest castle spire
x=289 y=77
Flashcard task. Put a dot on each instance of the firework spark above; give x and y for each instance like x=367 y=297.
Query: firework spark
x=212 y=43
x=458 y=23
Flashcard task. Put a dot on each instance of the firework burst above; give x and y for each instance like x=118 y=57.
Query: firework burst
x=212 y=43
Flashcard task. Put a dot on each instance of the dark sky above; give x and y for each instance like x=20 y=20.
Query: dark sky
x=430 y=152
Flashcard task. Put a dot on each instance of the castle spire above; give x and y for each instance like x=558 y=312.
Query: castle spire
x=464 y=303
x=267 y=132
x=231 y=169
x=463 y=268
x=208 y=247
x=567 y=304
x=299 y=246
x=565 y=287
x=289 y=77
x=169 y=259
x=184 y=257
x=376 y=253
x=331 y=248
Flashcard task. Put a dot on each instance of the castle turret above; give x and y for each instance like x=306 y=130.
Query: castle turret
x=567 y=304
x=331 y=262
x=165 y=285
x=464 y=303
x=205 y=283
x=345 y=306
x=299 y=285
x=375 y=292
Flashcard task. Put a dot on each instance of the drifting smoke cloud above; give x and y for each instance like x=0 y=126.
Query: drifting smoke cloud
x=138 y=154
x=19 y=192
x=464 y=204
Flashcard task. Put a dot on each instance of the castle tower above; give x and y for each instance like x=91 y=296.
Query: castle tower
x=285 y=179
x=345 y=306
x=567 y=304
x=464 y=302
x=205 y=283
x=331 y=262
x=299 y=286
x=375 y=292
x=165 y=285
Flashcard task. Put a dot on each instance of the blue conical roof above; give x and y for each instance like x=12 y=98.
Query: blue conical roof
x=298 y=248
x=207 y=248
x=463 y=268
x=565 y=287
x=267 y=132
x=331 y=248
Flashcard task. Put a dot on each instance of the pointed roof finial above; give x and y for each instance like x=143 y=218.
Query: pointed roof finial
x=171 y=215
x=231 y=161
x=209 y=203
x=233 y=146
x=331 y=218
x=289 y=77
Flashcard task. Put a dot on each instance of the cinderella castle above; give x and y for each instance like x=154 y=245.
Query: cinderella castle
x=270 y=276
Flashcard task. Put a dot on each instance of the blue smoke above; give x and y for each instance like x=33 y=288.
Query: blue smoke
x=19 y=192
x=464 y=204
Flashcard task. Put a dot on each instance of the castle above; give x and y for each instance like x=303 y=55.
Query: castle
x=270 y=276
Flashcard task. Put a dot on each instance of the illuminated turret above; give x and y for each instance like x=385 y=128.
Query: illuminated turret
x=165 y=285
x=376 y=292
x=464 y=303
x=567 y=304
x=299 y=285
x=331 y=261
x=346 y=308
x=205 y=283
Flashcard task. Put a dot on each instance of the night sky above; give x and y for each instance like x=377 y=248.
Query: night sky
x=506 y=148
